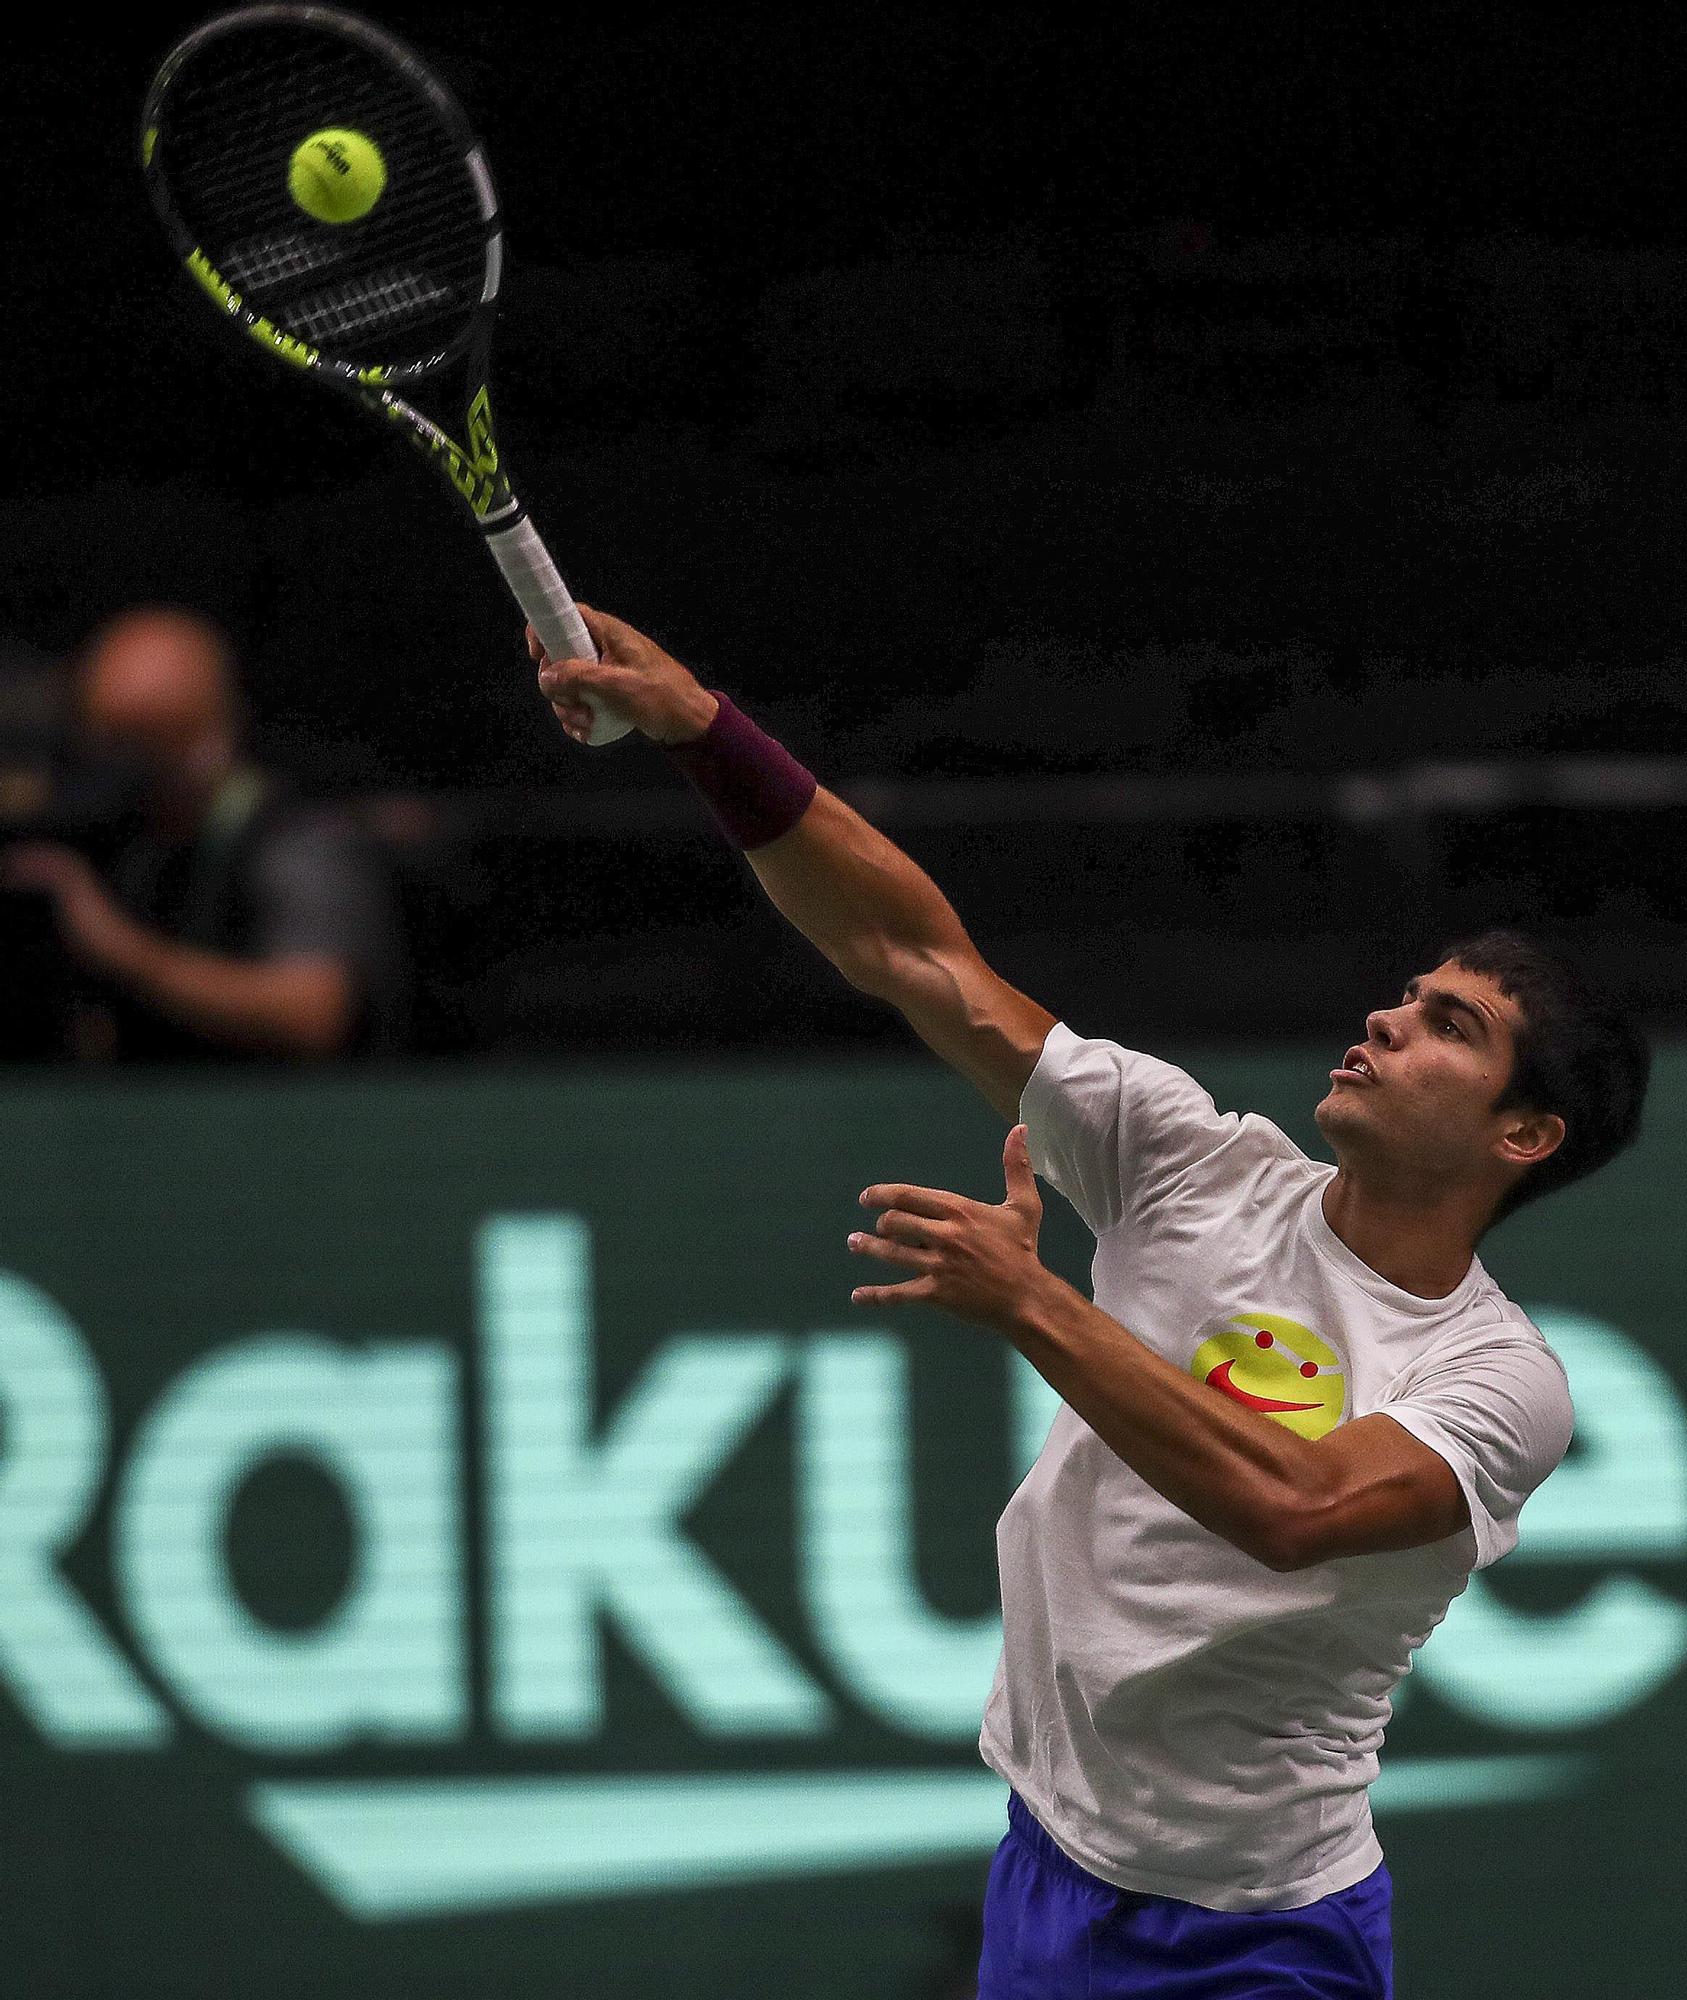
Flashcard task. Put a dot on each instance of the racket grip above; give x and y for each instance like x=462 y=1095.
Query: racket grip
x=553 y=614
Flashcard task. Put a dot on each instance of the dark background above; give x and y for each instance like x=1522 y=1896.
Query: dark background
x=1211 y=404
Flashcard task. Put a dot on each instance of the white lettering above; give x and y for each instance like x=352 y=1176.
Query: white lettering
x=72 y=1681
x=926 y=1674
x=389 y=1662
x=578 y=1527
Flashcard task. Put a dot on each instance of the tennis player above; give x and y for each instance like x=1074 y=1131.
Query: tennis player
x=1296 y=1416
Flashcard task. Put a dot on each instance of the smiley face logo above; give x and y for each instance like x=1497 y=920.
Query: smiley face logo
x=1276 y=1366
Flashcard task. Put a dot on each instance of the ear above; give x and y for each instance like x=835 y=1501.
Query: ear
x=1529 y=1137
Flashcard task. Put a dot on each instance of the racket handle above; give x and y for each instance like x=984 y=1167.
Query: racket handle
x=553 y=614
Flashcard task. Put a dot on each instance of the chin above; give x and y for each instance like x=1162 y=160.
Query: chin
x=1334 y=1117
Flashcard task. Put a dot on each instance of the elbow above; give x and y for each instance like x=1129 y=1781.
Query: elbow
x=320 y=1022
x=869 y=966
x=1288 y=1533
x=908 y=974
x=1300 y=1511
x=1282 y=1550
x=862 y=977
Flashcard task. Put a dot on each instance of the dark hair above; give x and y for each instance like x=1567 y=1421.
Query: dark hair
x=1577 y=1056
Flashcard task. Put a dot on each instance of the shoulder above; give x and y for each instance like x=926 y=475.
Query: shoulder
x=301 y=842
x=1494 y=1358
x=291 y=822
x=1115 y=1128
x=1107 y=1077
x=1497 y=1326
x=1492 y=1399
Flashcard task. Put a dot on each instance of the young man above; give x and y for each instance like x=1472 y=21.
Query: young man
x=1297 y=1414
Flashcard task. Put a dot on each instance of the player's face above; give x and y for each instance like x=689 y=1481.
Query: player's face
x=1416 y=1096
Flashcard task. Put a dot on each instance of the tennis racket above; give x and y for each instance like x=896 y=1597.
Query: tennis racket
x=325 y=190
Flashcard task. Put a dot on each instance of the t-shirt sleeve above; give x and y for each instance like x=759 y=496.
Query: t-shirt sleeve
x=318 y=896
x=1500 y=1415
x=320 y=892
x=1109 y=1126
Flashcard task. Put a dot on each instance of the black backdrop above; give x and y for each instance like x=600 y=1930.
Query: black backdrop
x=973 y=392
x=867 y=351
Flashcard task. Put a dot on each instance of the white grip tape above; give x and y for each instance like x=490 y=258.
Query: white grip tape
x=542 y=594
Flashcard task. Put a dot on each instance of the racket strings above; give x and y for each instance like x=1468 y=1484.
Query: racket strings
x=379 y=299
x=264 y=263
x=413 y=270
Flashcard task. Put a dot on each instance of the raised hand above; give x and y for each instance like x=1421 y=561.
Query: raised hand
x=974 y=1259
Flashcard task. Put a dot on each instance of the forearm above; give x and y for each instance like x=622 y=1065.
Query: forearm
x=1225 y=1466
x=875 y=914
x=854 y=894
x=295 y=1007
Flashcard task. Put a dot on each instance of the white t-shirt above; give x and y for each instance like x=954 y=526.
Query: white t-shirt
x=1183 y=1720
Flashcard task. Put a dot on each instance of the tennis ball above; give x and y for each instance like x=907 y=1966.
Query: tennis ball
x=337 y=175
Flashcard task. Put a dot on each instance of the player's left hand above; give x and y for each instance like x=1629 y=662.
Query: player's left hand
x=974 y=1259
x=94 y=926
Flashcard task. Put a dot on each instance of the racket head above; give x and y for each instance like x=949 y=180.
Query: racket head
x=388 y=297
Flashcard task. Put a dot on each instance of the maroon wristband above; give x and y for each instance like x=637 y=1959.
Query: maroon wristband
x=753 y=786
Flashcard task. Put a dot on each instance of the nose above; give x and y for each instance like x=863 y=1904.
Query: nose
x=1381 y=1027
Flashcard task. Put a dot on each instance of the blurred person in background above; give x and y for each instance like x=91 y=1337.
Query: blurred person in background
x=236 y=920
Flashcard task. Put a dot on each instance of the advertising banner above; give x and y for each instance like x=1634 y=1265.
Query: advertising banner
x=457 y=1538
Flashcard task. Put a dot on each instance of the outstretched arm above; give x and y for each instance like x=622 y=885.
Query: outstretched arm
x=855 y=895
x=303 y=1004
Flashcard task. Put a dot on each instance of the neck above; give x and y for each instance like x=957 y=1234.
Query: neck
x=1422 y=1244
x=179 y=807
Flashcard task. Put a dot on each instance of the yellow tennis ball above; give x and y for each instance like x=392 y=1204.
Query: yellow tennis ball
x=337 y=175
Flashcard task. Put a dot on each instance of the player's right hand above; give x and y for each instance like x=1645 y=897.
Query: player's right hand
x=633 y=676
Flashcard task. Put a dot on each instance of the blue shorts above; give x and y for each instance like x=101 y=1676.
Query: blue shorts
x=1053 y=1931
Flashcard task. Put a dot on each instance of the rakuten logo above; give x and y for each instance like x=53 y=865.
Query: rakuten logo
x=584 y=1532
